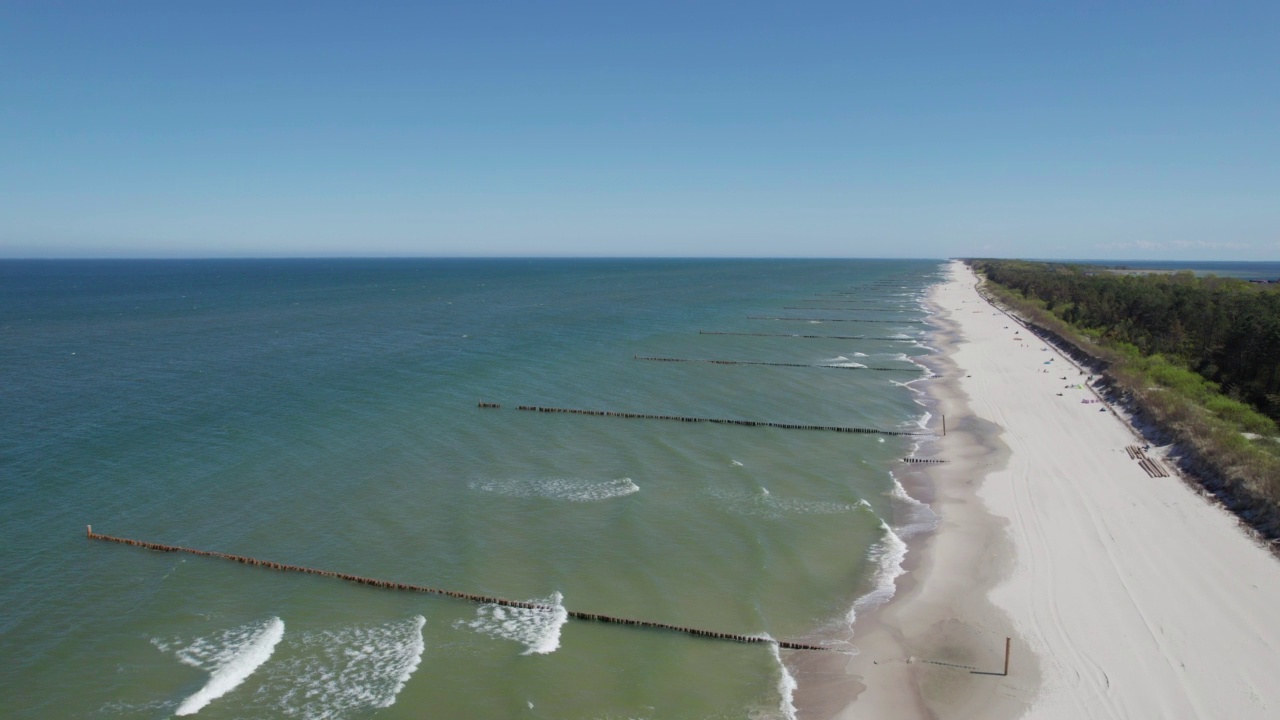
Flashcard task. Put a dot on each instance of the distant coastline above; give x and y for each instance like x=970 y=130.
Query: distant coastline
x=1264 y=270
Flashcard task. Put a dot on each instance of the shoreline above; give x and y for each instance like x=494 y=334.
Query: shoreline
x=1125 y=595
x=916 y=651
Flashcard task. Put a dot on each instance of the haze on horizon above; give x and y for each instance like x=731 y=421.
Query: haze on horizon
x=723 y=129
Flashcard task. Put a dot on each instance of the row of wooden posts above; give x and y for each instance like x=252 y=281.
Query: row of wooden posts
x=838 y=300
x=483 y=599
x=720 y=421
x=815 y=337
x=852 y=320
x=841 y=309
x=776 y=364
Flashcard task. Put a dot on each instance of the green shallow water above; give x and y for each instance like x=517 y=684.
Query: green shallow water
x=323 y=413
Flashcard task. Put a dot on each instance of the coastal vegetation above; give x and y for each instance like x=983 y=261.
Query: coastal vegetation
x=1199 y=357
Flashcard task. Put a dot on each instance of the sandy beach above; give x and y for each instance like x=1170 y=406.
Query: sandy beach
x=1124 y=595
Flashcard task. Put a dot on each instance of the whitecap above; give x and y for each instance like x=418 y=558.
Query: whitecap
x=786 y=685
x=554 y=488
x=229 y=657
x=888 y=554
x=538 y=629
x=339 y=673
x=917 y=517
x=764 y=504
x=842 y=361
x=891 y=550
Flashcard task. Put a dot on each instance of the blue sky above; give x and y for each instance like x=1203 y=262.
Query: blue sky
x=843 y=129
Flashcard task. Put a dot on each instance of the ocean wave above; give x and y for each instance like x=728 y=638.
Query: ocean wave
x=538 y=629
x=229 y=657
x=764 y=504
x=570 y=489
x=340 y=673
x=917 y=517
x=888 y=555
x=842 y=361
x=786 y=686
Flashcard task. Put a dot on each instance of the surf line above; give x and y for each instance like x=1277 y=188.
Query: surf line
x=721 y=421
x=898 y=322
x=483 y=599
x=774 y=364
x=818 y=337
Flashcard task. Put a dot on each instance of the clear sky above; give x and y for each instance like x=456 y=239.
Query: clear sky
x=840 y=129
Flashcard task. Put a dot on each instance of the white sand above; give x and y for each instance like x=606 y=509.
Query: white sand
x=1126 y=596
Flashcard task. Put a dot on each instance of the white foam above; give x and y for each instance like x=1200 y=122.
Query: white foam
x=230 y=657
x=735 y=463
x=786 y=685
x=537 y=628
x=552 y=488
x=764 y=504
x=338 y=673
x=888 y=554
x=842 y=361
x=892 y=549
x=860 y=354
x=918 y=517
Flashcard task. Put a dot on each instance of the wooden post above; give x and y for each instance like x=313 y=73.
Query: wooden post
x=88 y=531
x=944 y=425
x=1007 y=641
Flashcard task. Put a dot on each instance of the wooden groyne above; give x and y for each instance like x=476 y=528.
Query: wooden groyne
x=855 y=320
x=719 y=421
x=841 y=309
x=774 y=364
x=482 y=599
x=838 y=300
x=930 y=461
x=812 y=337
x=490 y=405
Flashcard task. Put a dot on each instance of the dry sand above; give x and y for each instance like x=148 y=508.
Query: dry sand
x=1125 y=596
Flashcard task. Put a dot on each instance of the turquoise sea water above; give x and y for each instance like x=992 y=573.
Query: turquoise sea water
x=324 y=413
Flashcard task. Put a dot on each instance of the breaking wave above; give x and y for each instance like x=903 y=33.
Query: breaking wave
x=570 y=489
x=538 y=629
x=229 y=657
x=339 y=673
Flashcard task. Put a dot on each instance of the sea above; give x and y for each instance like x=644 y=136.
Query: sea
x=326 y=413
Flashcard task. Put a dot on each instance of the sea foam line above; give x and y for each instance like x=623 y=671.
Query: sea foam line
x=230 y=659
x=336 y=674
x=538 y=628
x=786 y=685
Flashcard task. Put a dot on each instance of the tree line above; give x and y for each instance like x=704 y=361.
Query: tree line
x=1225 y=329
